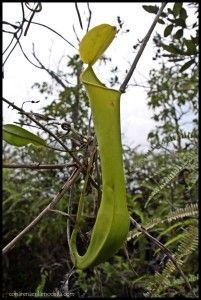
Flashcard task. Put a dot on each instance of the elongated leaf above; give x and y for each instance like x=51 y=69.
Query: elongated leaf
x=191 y=47
x=160 y=21
x=183 y=14
x=173 y=49
x=187 y=65
x=170 y=11
x=177 y=7
x=179 y=34
x=95 y=42
x=153 y=9
x=19 y=137
x=167 y=230
x=180 y=22
x=174 y=239
x=168 y=30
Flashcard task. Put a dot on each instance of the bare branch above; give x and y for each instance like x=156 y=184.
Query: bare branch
x=36 y=23
x=61 y=193
x=13 y=48
x=38 y=166
x=38 y=8
x=19 y=29
x=9 y=45
x=55 y=137
x=63 y=214
x=23 y=13
x=128 y=258
x=43 y=127
x=89 y=19
x=78 y=14
x=142 y=47
x=26 y=55
x=164 y=249
x=50 y=72
x=10 y=24
x=76 y=34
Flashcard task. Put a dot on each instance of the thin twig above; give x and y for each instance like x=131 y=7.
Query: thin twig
x=50 y=72
x=36 y=23
x=128 y=258
x=76 y=34
x=13 y=48
x=89 y=19
x=143 y=45
x=19 y=29
x=38 y=166
x=51 y=134
x=97 y=274
x=61 y=193
x=31 y=18
x=26 y=55
x=10 y=24
x=23 y=13
x=38 y=8
x=68 y=220
x=78 y=14
x=164 y=249
x=63 y=214
x=43 y=127
x=11 y=41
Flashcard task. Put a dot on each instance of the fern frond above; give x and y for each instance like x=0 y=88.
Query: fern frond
x=189 y=210
x=180 y=213
x=180 y=280
x=165 y=182
x=161 y=280
x=185 y=248
x=187 y=160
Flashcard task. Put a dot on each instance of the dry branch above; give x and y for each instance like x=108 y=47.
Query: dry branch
x=142 y=47
x=61 y=193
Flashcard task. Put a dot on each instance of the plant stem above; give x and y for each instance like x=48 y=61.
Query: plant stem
x=38 y=166
x=43 y=127
x=143 y=45
x=165 y=250
x=63 y=190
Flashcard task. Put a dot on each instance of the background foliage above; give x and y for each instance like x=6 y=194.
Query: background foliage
x=162 y=187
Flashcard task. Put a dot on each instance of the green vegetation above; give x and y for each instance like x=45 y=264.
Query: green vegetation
x=162 y=185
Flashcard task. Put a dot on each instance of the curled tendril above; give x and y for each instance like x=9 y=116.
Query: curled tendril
x=38 y=7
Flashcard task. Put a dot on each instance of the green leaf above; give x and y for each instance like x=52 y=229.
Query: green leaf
x=168 y=30
x=19 y=137
x=170 y=11
x=191 y=47
x=179 y=34
x=160 y=21
x=180 y=22
x=177 y=7
x=174 y=239
x=167 y=230
x=183 y=15
x=151 y=9
x=95 y=42
x=172 y=49
x=195 y=39
x=187 y=65
x=40 y=288
x=195 y=25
